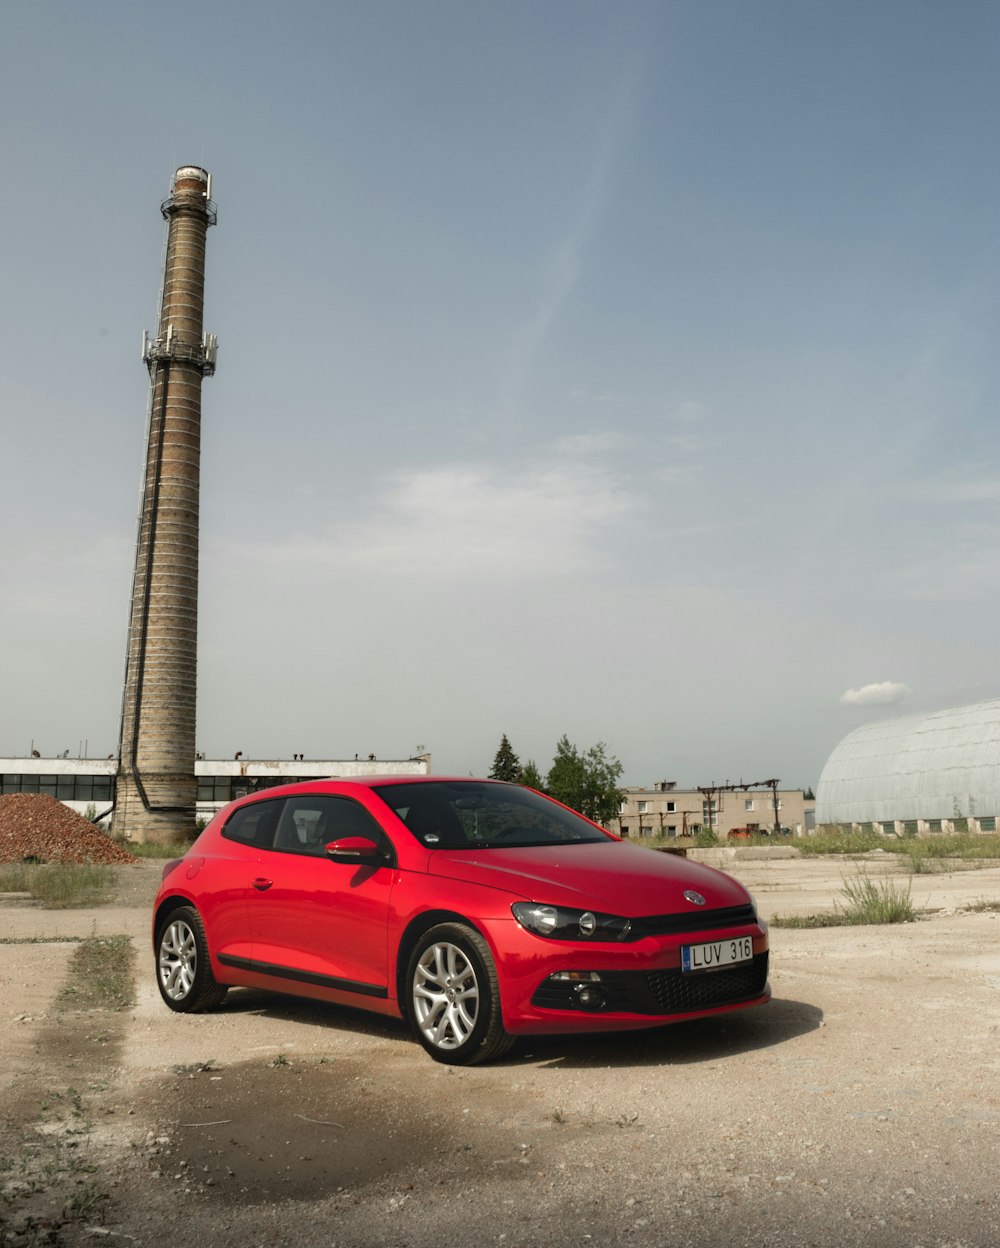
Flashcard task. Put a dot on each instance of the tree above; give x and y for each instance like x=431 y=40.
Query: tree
x=531 y=777
x=506 y=765
x=586 y=782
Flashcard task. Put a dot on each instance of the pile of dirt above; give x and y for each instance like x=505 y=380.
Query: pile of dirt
x=36 y=827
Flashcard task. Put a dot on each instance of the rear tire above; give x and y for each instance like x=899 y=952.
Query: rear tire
x=183 y=968
x=453 y=997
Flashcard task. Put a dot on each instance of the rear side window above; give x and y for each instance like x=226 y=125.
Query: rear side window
x=310 y=822
x=254 y=824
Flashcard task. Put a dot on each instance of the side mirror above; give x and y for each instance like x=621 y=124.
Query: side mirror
x=355 y=851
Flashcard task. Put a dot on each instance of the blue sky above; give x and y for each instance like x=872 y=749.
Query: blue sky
x=625 y=371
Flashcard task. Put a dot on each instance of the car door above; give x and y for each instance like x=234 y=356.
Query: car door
x=316 y=921
x=221 y=882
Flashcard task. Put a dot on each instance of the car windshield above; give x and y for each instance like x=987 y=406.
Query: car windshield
x=469 y=815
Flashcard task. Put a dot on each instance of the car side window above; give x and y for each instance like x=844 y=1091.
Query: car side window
x=254 y=824
x=309 y=823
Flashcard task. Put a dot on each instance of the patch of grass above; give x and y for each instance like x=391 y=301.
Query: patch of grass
x=59 y=885
x=965 y=845
x=983 y=905
x=844 y=843
x=869 y=902
x=831 y=918
x=148 y=850
x=100 y=975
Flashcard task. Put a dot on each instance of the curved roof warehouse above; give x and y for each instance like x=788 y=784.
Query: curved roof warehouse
x=934 y=767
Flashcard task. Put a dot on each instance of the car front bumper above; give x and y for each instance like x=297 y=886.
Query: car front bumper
x=619 y=987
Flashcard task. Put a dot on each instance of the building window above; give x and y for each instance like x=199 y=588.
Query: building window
x=65 y=788
x=671 y=829
x=217 y=788
x=989 y=824
x=748 y=803
x=643 y=808
x=645 y=830
x=933 y=825
x=888 y=828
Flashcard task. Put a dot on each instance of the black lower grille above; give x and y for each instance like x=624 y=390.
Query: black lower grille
x=662 y=992
x=677 y=992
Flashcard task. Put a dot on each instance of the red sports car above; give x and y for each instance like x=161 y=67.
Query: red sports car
x=477 y=910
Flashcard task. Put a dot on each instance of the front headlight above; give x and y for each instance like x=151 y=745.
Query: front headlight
x=557 y=923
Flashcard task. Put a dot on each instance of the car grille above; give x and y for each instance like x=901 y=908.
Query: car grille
x=677 y=992
x=662 y=992
x=691 y=921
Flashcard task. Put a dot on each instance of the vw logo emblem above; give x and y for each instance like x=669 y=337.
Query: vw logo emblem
x=694 y=898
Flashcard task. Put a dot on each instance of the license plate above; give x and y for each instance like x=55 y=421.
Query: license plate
x=717 y=953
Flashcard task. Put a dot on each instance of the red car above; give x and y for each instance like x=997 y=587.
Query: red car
x=477 y=910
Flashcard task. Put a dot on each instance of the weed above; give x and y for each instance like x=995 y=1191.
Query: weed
x=984 y=905
x=83 y=1203
x=868 y=902
x=100 y=975
x=842 y=843
x=196 y=1068
x=280 y=1060
x=871 y=902
x=960 y=844
x=144 y=849
x=558 y=1116
x=626 y=1120
x=59 y=885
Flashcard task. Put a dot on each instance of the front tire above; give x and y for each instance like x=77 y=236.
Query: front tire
x=183 y=969
x=453 y=997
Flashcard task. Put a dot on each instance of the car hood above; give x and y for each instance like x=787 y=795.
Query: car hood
x=610 y=876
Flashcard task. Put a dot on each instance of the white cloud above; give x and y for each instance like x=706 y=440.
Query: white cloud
x=464 y=519
x=884 y=693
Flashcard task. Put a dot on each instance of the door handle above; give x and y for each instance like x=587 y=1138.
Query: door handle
x=262 y=885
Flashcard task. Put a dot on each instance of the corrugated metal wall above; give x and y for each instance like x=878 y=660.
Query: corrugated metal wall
x=941 y=765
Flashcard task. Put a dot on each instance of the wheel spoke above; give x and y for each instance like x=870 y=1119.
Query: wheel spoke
x=178 y=960
x=445 y=995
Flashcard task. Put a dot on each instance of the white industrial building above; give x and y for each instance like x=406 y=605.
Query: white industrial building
x=917 y=774
x=88 y=784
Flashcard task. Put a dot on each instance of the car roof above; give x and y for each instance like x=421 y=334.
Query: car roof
x=372 y=782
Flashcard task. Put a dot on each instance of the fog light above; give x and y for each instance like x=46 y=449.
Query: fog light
x=576 y=977
x=591 y=998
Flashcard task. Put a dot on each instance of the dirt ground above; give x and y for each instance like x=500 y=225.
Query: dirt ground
x=861 y=1105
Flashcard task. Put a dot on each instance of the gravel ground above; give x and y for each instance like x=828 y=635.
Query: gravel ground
x=858 y=1106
